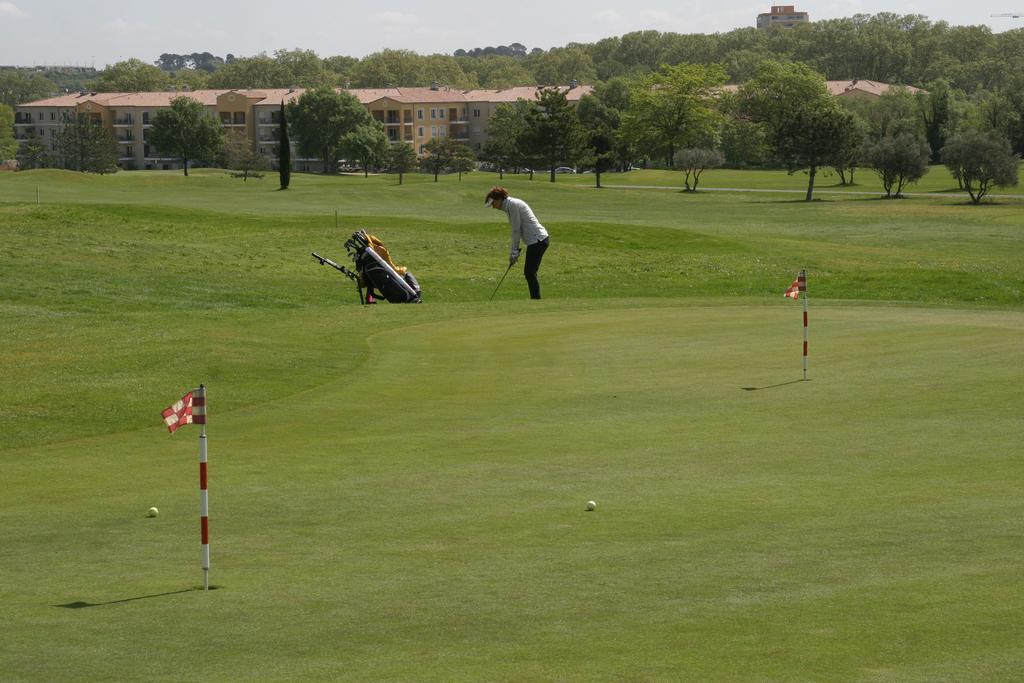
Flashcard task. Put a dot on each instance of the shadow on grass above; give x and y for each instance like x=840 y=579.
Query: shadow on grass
x=81 y=604
x=775 y=386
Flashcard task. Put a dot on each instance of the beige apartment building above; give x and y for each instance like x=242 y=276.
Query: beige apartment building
x=409 y=115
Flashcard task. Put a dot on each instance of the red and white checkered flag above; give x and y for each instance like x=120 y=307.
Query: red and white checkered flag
x=799 y=285
x=191 y=409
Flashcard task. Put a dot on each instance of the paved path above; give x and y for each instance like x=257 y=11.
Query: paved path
x=933 y=195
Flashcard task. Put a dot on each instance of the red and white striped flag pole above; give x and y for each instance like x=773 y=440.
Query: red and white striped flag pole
x=199 y=416
x=800 y=286
x=191 y=409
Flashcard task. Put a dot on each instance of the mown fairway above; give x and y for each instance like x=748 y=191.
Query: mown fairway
x=397 y=493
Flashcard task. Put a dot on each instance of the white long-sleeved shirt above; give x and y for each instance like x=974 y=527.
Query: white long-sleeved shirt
x=525 y=226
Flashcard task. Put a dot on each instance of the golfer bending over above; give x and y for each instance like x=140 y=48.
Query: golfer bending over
x=525 y=228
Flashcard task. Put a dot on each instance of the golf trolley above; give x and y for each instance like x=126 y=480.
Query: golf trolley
x=375 y=272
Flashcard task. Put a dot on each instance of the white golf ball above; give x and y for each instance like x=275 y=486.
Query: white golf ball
x=591 y=505
x=153 y=512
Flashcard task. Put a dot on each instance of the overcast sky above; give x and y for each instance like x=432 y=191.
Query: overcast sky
x=101 y=32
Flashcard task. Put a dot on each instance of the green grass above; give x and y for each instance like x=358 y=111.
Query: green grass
x=937 y=181
x=397 y=492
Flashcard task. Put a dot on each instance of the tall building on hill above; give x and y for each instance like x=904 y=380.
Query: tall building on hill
x=785 y=16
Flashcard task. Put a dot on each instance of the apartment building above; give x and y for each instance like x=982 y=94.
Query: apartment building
x=409 y=115
x=784 y=16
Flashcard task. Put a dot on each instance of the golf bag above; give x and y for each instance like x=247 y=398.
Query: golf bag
x=378 y=274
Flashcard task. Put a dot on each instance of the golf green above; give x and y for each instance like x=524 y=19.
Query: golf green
x=418 y=514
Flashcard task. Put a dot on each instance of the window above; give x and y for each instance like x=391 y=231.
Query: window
x=419 y=132
x=433 y=131
x=476 y=113
x=53 y=116
x=433 y=113
x=40 y=116
x=419 y=114
x=239 y=118
x=145 y=118
x=440 y=114
x=129 y=151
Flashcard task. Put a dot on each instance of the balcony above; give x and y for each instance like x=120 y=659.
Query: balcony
x=268 y=120
x=124 y=121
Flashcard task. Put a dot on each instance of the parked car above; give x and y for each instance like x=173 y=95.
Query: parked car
x=565 y=169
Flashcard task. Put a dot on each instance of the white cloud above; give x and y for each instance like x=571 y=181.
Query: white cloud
x=9 y=9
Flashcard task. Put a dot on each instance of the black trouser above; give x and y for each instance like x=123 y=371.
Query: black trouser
x=534 y=254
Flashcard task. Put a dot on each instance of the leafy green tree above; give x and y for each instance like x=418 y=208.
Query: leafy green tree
x=806 y=126
x=935 y=107
x=561 y=66
x=321 y=119
x=284 y=150
x=445 y=71
x=743 y=142
x=693 y=161
x=891 y=114
x=132 y=75
x=239 y=156
x=389 y=69
x=18 y=87
x=84 y=144
x=613 y=96
x=186 y=131
x=600 y=123
x=341 y=68
x=554 y=134
x=250 y=72
x=190 y=79
x=506 y=131
x=439 y=155
x=847 y=151
x=496 y=72
x=673 y=108
x=8 y=145
x=898 y=160
x=463 y=160
x=445 y=155
x=302 y=69
x=367 y=143
x=996 y=111
x=981 y=161
x=32 y=154
x=401 y=158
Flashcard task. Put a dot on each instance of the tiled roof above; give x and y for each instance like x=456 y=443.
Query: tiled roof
x=527 y=92
x=839 y=88
x=869 y=87
x=276 y=95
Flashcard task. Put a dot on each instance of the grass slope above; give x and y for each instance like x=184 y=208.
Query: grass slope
x=397 y=492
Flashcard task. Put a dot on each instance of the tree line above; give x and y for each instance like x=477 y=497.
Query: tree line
x=886 y=47
x=680 y=117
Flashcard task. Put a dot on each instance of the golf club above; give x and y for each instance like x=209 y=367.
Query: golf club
x=500 y=281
